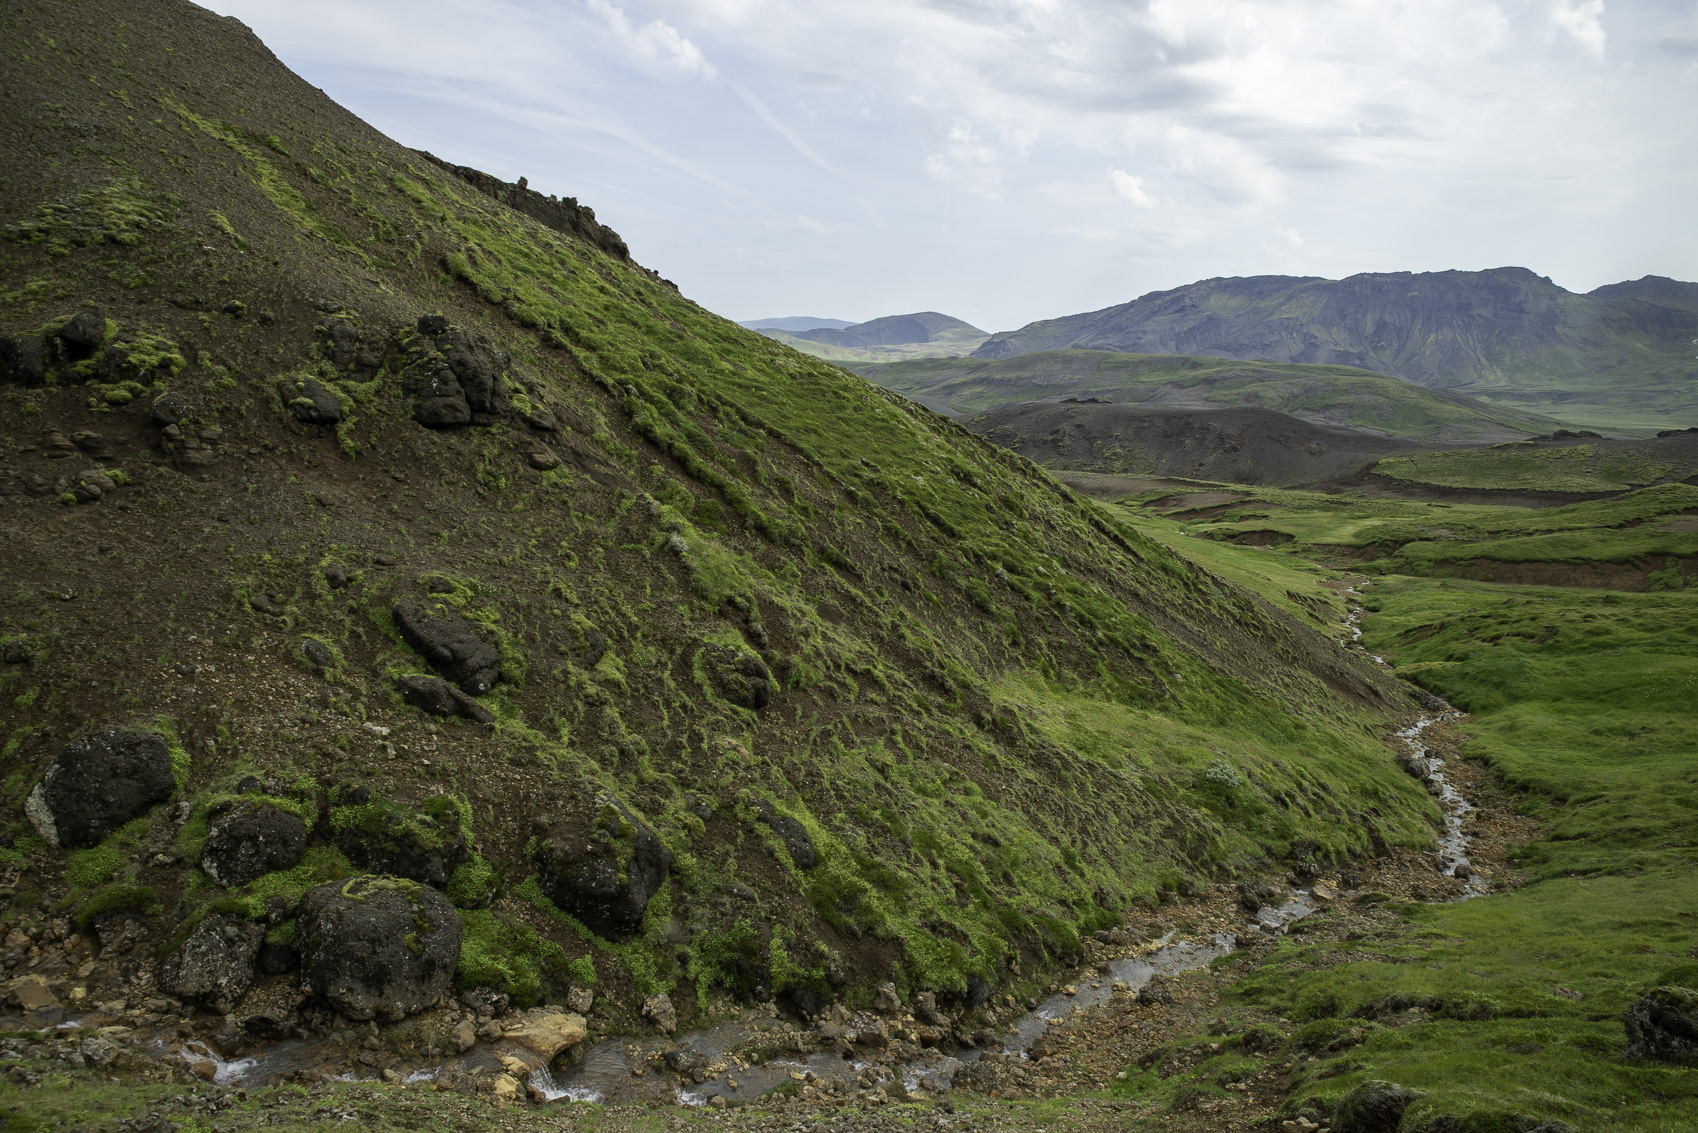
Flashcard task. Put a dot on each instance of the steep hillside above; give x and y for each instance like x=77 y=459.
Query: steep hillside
x=1324 y=395
x=365 y=515
x=1241 y=446
x=1621 y=355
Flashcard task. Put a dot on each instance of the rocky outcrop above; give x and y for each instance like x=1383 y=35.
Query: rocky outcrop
x=792 y=833
x=1373 y=1107
x=394 y=840
x=451 y=645
x=439 y=698
x=377 y=947
x=738 y=676
x=309 y=401
x=95 y=785
x=1663 y=1025
x=603 y=875
x=247 y=840
x=214 y=967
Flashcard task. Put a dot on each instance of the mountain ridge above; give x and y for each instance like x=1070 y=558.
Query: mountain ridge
x=1618 y=353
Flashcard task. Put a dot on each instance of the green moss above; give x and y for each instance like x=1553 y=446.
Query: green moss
x=501 y=953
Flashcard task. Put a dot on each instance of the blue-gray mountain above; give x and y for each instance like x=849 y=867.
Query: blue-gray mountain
x=1613 y=355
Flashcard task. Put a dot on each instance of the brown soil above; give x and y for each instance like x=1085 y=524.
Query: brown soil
x=1597 y=576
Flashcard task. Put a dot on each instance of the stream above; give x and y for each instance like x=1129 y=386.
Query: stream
x=622 y=1070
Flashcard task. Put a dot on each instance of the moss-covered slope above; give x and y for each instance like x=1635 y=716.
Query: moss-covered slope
x=713 y=608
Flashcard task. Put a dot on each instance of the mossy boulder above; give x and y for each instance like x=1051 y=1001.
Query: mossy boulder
x=248 y=840
x=450 y=643
x=95 y=785
x=383 y=836
x=738 y=676
x=1373 y=1107
x=377 y=947
x=1662 y=1024
x=602 y=868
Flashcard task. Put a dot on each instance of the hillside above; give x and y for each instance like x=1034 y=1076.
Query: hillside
x=1620 y=356
x=370 y=518
x=1323 y=395
x=1244 y=446
x=925 y=334
x=795 y=323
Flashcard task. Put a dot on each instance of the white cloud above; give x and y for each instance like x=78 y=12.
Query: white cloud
x=1444 y=133
x=656 y=41
x=1583 y=21
x=801 y=222
x=1130 y=188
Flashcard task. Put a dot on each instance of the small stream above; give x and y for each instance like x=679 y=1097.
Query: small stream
x=622 y=1070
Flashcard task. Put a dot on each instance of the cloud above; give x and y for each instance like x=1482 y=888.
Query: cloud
x=1390 y=136
x=1583 y=21
x=656 y=41
x=1130 y=188
x=801 y=222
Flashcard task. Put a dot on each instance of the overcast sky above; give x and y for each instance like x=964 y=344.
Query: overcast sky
x=1009 y=160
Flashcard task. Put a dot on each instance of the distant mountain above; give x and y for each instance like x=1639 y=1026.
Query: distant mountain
x=1622 y=355
x=924 y=334
x=795 y=324
x=1323 y=395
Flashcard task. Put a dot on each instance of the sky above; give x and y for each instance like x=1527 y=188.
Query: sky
x=1009 y=160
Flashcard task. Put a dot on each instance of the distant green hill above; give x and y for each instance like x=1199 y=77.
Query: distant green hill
x=925 y=334
x=1620 y=357
x=1328 y=395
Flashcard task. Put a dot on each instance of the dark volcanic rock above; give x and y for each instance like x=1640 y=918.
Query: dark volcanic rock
x=377 y=947
x=404 y=843
x=450 y=644
x=740 y=677
x=606 y=875
x=309 y=401
x=439 y=698
x=438 y=400
x=317 y=654
x=1663 y=1024
x=81 y=337
x=477 y=366
x=250 y=840
x=95 y=785
x=1254 y=895
x=791 y=832
x=1373 y=1107
x=23 y=360
x=215 y=965
x=169 y=409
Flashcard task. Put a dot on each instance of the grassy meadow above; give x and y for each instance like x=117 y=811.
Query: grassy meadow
x=1583 y=702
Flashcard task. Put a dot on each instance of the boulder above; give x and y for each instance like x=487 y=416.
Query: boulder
x=603 y=871
x=248 y=840
x=477 y=365
x=1254 y=895
x=317 y=655
x=82 y=336
x=791 y=832
x=169 y=409
x=450 y=643
x=438 y=400
x=439 y=698
x=95 y=785
x=23 y=360
x=393 y=840
x=215 y=965
x=1663 y=1025
x=887 y=1002
x=377 y=947
x=738 y=675
x=309 y=401
x=658 y=1010
x=548 y=1032
x=1373 y=1107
